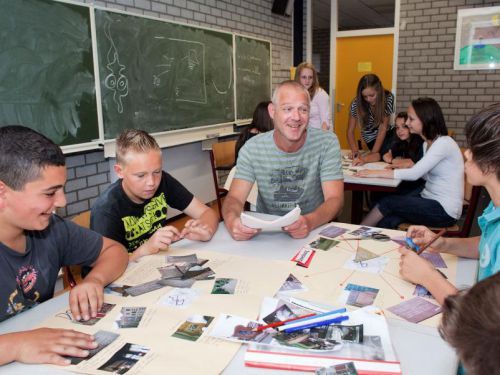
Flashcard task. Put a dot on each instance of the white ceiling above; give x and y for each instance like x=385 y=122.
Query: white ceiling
x=355 y=14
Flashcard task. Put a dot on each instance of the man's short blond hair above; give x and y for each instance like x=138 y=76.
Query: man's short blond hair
x=134 y=140
x=289 y=84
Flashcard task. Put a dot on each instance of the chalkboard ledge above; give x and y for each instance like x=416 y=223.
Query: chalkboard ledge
x=179 y=137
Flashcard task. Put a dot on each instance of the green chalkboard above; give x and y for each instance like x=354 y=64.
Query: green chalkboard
x=253 y=74
x=46 y=69
x=162 y=76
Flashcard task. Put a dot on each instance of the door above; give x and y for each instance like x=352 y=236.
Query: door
x=357 y=56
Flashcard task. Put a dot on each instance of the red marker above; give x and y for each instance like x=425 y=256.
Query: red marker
x=277 y=324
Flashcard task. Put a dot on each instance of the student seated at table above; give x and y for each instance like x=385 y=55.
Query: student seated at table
x=482 y=167
x=405 y=150
x=292 y=165
x=133 y=210
x=439 y=204
x=261 y=123
x=35 y=243
x=371 y=110
x=470 y=324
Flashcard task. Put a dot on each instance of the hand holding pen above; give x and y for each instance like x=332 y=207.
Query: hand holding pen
x=418 y=236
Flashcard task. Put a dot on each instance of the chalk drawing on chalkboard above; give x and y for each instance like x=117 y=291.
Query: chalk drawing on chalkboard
x=166 y=67
x=190 y=72
x=115 y=81
x=230 y=80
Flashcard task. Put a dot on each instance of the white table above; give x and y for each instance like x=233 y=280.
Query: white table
x=419 y=348
x=358 y=185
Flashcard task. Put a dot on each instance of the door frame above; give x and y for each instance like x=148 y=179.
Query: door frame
x=334 y=34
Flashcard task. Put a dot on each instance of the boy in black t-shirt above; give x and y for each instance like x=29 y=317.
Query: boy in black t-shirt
x=133 y=210
x=35 y=244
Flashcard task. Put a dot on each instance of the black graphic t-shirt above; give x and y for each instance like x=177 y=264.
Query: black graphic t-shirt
x=115 y=216
x=29 y=278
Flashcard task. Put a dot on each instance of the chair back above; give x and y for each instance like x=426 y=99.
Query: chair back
x=222 y=158
x=83 y=220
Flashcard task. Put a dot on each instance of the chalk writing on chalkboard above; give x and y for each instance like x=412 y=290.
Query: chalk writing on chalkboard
x=253 y=74
x=174 y=76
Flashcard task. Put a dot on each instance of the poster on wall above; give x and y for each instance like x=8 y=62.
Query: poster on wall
x=477 y=42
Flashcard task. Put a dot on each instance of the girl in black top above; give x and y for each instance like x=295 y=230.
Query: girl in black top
x=261 y=123
x=406 y=148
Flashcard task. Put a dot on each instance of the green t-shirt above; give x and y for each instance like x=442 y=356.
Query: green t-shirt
x=289 y=179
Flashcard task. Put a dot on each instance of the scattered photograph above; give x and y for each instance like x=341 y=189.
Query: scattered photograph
x=193 y=327
x=198 y=273
x=117 y=290
x=125 y=358
x=415 y=310
x=318 y=338
x=224 y=286
x=176 y=283
x=243 y=330
x=435 y=258
x=362 y=255
x=281 y=314
x=103 y=339
x=399 y=240
x=106 y=307
x=421 y=291
x=144 y=288
x=348 y=333
x=292 y=284
x=170 y=271
x=332 y=231
x=130 y=317
x=360 y=295
x=191 y=258
x=322 y=243
x=340 y=369
x=364 y=232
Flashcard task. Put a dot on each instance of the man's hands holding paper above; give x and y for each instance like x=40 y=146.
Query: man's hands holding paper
x=240 y=232
x=298 y=229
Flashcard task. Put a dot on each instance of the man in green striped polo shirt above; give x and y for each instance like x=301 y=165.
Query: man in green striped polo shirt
x=292 y=165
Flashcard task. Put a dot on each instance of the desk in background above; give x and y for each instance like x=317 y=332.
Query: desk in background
x=408 y=339
x=358 y=185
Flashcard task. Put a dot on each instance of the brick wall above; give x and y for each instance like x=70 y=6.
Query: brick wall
x=425 y=62
x=88 y=173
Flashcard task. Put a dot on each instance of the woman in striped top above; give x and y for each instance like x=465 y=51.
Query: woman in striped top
x=371 y=109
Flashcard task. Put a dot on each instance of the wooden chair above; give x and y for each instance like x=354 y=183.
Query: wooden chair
x=464 y=225
x=222 y=158
x=69 y=280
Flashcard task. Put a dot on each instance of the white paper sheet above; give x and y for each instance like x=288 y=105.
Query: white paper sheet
x=253 y=221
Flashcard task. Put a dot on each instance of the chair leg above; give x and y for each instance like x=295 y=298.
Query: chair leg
x=219 y=205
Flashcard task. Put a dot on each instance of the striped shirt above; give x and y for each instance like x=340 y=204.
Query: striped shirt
x=370 y=130
x=289 y=179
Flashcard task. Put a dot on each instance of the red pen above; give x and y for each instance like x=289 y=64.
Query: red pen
x=277 y=324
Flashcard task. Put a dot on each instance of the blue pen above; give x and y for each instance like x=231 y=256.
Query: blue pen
x=338 y=311
x=317 y=324
x=412 y=245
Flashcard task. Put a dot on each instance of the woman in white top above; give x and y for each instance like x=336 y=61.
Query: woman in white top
x=439 y=204
x=319 y=114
